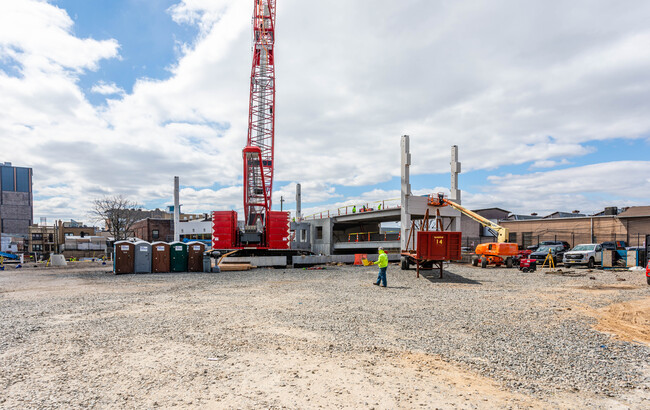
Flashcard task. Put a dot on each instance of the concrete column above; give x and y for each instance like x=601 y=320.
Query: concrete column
x=455 y=170
x=406 y=190
x=177 y=210
x=298 y=203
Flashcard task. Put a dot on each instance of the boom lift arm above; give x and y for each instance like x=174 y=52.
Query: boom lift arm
x=501 y=232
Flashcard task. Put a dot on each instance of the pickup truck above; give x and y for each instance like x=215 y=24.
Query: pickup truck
x=588 y=254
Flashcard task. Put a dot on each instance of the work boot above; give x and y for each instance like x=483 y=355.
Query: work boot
x=375 y=283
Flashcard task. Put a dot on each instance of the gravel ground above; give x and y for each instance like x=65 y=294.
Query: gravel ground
x=295 y=338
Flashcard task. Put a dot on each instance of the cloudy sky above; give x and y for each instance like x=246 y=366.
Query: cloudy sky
x=548 y=101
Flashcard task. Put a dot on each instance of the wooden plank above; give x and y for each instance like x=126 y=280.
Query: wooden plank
x=234 y=267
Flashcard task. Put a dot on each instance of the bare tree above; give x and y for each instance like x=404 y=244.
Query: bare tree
x=118 y=213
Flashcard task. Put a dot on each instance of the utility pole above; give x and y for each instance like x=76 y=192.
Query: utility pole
x=281 y=202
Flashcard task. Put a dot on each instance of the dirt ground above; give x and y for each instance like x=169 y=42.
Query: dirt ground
x=83 y=337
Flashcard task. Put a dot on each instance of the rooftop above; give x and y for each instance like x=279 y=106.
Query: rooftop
x=635 y=212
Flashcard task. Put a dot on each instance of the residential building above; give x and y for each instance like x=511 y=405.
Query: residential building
x=16 y=199
x=46 y=239
x=41 y=239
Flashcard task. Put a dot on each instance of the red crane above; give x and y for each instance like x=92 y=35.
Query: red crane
x=262 y=228
x=258 y=154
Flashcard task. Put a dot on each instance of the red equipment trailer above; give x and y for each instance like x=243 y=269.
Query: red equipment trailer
x=432 y=248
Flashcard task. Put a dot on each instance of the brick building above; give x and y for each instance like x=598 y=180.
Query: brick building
x=636 y=220
x=154 y=229
x=16 y=199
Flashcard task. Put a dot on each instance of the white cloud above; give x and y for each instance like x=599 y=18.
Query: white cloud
x=588 y=188
x=38 y=35
x=548 y=163
x=106 y=88
x=509 y=83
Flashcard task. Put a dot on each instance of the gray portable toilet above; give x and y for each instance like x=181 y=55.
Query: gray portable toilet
x=142 y=260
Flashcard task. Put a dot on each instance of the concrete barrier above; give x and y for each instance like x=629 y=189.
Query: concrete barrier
x=58 y=260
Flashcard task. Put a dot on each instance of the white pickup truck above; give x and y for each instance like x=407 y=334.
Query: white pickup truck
x=588 y=254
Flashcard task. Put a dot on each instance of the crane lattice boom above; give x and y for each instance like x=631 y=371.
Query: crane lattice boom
x=258 y=154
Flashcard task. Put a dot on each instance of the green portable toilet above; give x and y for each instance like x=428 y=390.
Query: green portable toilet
x=178 y=257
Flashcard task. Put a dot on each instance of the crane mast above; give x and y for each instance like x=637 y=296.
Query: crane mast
x=258 y=153
x=262 y=229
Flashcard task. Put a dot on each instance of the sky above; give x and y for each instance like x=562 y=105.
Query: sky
x=547 y=100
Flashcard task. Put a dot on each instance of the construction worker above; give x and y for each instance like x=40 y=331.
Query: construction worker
x=354 y=209
x=383 y=266
x=379 y=207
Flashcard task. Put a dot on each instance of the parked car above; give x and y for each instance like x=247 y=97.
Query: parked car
x=557 y=251
x=588 y=254
x=613 y=245
x=564 y=244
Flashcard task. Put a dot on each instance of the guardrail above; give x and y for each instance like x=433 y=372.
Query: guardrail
x=373 y=236
x=355 y=209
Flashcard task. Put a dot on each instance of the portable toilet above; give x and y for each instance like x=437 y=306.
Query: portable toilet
x=142 y=259
x=195 y=256
x=124 y=257
x=178 y=257
x=160 y=257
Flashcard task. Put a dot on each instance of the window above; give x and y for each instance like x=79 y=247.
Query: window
x=512 y=237
x=37 y=248
x=155 y=234
x=526 y=239
x=22 y=179
x=50 y=237
x=37 y=237
x=8 y=179
x=319 y=232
